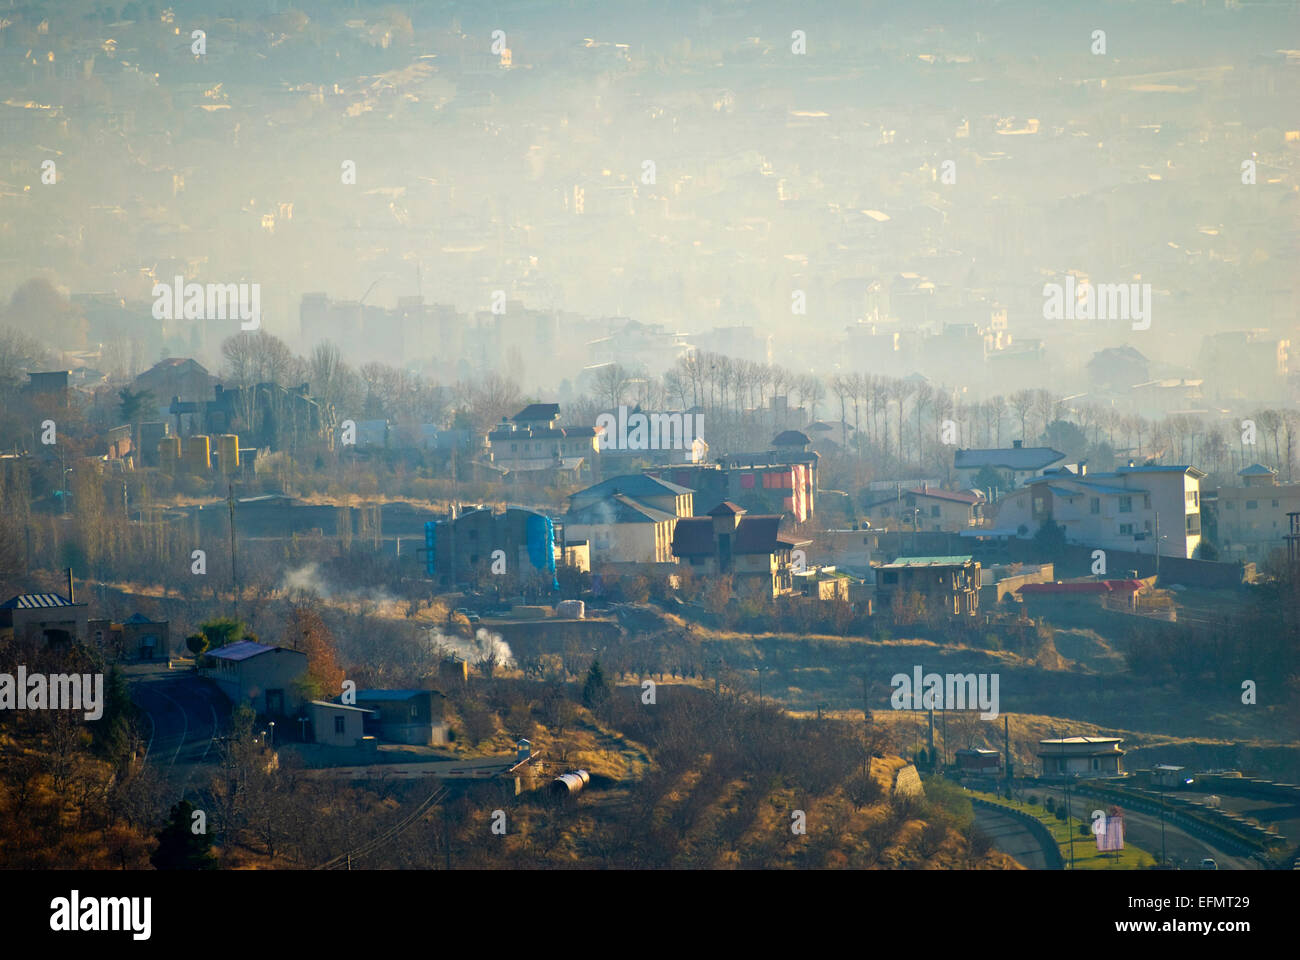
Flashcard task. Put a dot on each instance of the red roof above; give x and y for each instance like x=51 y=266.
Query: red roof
x=693 y=537
x=1084 y=586
x=758 y=535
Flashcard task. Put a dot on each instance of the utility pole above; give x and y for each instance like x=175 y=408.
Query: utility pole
x=1163 y=858
x=1069 y=825
x=1157 y=547
x=234 y=577
x=1006 y=752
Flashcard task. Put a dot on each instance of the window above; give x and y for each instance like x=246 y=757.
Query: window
x=1125 y=504
x=1193 y=498
x=934 y=511
x=1193 y=524
x=1094 y=505
x=338 y=725
x=1252 y=504
x=1146 y=501
x=1148 y=526
x=1125 y=529
x=1275 y=503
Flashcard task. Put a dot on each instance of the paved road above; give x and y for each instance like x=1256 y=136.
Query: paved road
x=1143 y=830
x=183 y=717
x=1011 y=837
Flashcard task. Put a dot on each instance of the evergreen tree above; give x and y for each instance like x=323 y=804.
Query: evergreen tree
x=112 y=731
x=179 y=847
x=595 y=692
x=223 y=631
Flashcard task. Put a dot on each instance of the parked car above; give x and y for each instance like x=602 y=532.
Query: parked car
x=1209 y=864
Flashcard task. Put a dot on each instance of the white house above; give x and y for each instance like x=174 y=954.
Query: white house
x=1016 y=464
x=1127 y=509
x=1081 y=757
x=337 y=724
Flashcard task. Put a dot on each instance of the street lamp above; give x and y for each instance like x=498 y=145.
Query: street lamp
x=272 y=740
x=1164 y=860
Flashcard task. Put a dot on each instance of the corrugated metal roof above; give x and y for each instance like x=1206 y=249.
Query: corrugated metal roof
x=35 y=601
x=339 y=706
x=927 y=562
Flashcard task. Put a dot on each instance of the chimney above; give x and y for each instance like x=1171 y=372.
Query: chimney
x=1015 y=444
x=1083 y=468
x=72 y=597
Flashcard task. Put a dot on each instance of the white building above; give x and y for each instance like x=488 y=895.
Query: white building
x=1130 y=509
x=1253 y=521
x=1016 y=464
x=629 y=519
x=1081 y=757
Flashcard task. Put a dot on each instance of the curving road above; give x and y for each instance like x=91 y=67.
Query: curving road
x=1143 y=830
x=1011 y=837
x=183 y=717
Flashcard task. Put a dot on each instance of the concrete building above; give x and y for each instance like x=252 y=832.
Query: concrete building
x=48 y=616
x=747 y=547
x=533 y=442
x=629 y=519
x=926 y=508
x=1252 y=518
x=780 y=481
x=337 y=724
x=1131 y=508
x=265 y=677
x=1081 y=757
x=847 y=550
x=405 y=716
x=136 y=638
x=979 y=762
x=951 y=583
x=464 y=548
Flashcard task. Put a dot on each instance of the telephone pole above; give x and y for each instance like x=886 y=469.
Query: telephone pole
x=234 y=577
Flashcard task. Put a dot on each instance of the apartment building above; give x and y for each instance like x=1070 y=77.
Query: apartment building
x=1252 y=518
x=1132 y=508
